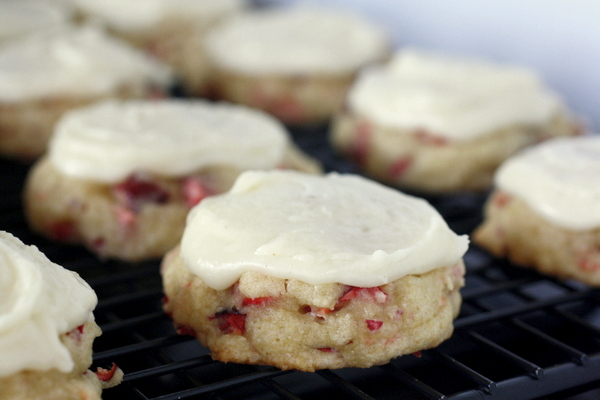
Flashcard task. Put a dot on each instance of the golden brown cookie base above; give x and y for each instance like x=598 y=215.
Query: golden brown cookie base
x=79 y=384
x=421 y=161
x=512 y=229
x=294 y=325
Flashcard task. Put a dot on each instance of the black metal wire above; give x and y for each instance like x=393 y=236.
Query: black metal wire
x=520 y=335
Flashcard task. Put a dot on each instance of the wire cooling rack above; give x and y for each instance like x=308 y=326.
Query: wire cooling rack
x=520 y=335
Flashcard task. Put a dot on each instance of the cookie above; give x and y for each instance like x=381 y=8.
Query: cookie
x=296 y=63
x=46 y=74
x=310 y=272
x=434 y=123
x=46 y=329
x=544 y=212
x=120 y=177
x=171 y=30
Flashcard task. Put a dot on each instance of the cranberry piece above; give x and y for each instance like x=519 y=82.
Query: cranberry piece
x=288 y=109
x=372 y=294
x=360 y=148
x=430 y=139
x=186 y=330
x=76 y=333
x=257 y=301
x=62 y=230
x=373 y=325
x=590 y=261
x=230 y=322
x=501 y=199
x=125 y=216
x=106 y=374
x=138 y=189
x=194 y=191
x=400 y=167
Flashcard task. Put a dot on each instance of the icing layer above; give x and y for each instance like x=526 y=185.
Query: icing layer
x=19 y=17
x=40 y=300
x=559 y=179
x=110 y=140
x=73 y=61
x=457 y=98
x=132 y=15
x=336 y=228
x=295 y=41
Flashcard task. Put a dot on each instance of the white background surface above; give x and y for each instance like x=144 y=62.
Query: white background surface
x=558 y=38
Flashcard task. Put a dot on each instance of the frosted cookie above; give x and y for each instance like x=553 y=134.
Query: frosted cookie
x=434 y=123
x=309 y=272
x=172 y=30
x=43 y=75
x=23 y=17
x=544 y=211
x=46 y=329
x=296 y=63
x=120 y=177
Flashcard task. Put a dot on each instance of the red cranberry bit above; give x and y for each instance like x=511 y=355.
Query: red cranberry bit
x=194 y=191
x=185 y=330
x=62 y=230
x=501 y=199
x=590 y=262
x=320 y=312
x=76 y=333
x=326 y=349
x=288 y=109
x=417 y=354
x=360 y=148
x=373 y=325
x=400 y=167
x=430 y=139
x=230 y=322
x=398 y=314
x=125 y=216
x=371 y=294
x=257 y=301
x=138 y=189
x=98 y=243
x=106 y=374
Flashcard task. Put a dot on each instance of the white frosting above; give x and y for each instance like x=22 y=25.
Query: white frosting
x=295 y=41
x=109 y=140
x=72 y=61
x=317 y=229
x=20 y=17
x=39 y=301
x=559 y=179
x=457 y=98
x=132 y=15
